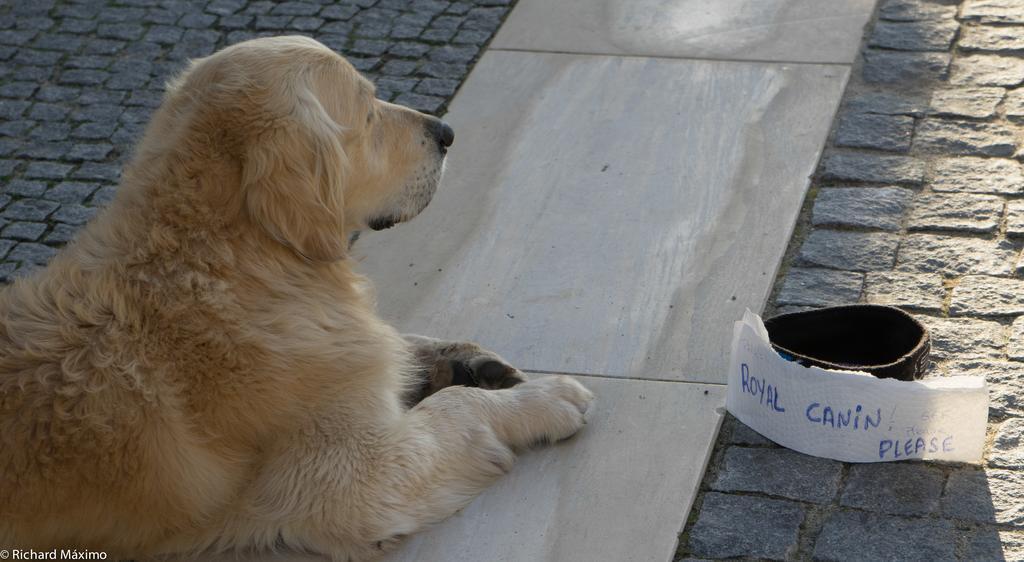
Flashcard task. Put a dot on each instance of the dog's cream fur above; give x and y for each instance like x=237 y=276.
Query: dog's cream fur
x=202 y=370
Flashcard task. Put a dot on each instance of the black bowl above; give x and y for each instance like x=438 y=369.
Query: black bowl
x=881 y=340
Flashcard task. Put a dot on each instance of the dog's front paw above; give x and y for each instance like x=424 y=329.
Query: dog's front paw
x=445 y=363
x=554 y=407
x=479 y=367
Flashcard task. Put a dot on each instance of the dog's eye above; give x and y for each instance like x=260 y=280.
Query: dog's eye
x=370 y=116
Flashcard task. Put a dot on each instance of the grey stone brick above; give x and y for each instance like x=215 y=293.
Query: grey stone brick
x=880 y=132
x=426 y=104
x=723 y=528
x=892 y=67
x=1015 y=345
x=992 y=545
x=121 y=14
x=37 y=58
x=74 y=214
x=399 y=67
x=994 y=11
x=125 y=31
x=854 y=536
x=307 y=24
x=339 y=12
x=965 y=338
x=857 y=251
x=295 y=9
x=88 y=61
x=1007 y=449
x=779 y=472
x=272 y=22
x=18 y=90
x=42 y=150
x=24 y=188
x=453 y=54
x=97 y=171
x=58 y=42
x=977 y=175
x=7 y=167
x=51 y=132
x=978 y=103
x=369 y=47
x=240 y=21
x=437 y=87
x=987 y=70
x=47 y=170
x=29 y=210
x=894 y=488
x=32 y=253
x=920 y=291
x=48 y=112
x=5 y=246
x=955 y=255
x=926 y=35
x=225 y=7
x=990 y=38
x=961 y=212
x=84 y=77
x=94 y=131
x=438 y=35
x=15 y=128
x=886 y=103
x=406 y=32
x=471 y=37
x=98 y=151
x=103 y=46
x=1014 y=106
x=12 y=109
x=26 y=231
x=971 y=138
x=74 y=25
x=864 y=207
x=52 y=93
x=33 y=73
x=743 y=435
x=820 y=287
x=408 y=49
x=984 y=295
x=103 y=196
x=985 y=496
x=61 y=234
x=1005 y=383
x=70 y=192
x=20 y=37
x=196 y=20
x=871 y=168
x=163 y=34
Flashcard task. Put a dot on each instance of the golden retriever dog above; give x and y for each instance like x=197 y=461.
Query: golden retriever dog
x=202 y=370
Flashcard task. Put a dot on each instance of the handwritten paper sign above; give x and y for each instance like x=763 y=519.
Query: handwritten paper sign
x=851 y=416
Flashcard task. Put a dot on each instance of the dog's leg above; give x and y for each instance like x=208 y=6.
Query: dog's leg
x=446 y=363
x=351 y=490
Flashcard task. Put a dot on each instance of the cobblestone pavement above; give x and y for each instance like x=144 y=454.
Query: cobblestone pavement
x=919 y=203
x=78 y=81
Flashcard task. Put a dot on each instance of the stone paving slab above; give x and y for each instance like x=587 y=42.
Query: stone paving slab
x=610 y=241
x=766 y=30
x=620 y=490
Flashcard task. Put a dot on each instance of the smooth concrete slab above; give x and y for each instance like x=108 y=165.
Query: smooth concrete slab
x=608 y=215
x=619 y=490
x=827 y=31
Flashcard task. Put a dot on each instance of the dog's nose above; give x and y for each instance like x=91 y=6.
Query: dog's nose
x=444 y=134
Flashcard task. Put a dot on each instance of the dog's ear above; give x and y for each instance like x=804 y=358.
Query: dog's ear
x=293 y=178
